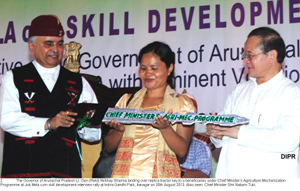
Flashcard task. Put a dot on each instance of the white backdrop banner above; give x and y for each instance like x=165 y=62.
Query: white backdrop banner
x=207 y=37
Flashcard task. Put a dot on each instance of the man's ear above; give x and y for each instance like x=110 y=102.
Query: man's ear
x=31 y=47
x=273 y=55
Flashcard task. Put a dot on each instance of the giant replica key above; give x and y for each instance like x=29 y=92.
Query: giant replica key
x=129 y=116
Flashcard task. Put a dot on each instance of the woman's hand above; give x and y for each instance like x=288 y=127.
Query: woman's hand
x=178 y=140
x=116 y=126
x=162 y=124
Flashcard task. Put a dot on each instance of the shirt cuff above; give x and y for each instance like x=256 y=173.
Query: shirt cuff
x=38 y=129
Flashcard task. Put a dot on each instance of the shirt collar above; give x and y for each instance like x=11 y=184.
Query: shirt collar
x=272 y=82
x=50 y=72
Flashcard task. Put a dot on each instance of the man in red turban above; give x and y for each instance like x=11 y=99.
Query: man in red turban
x=36 y=114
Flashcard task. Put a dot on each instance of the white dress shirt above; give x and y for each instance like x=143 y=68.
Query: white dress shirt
x=273 y=109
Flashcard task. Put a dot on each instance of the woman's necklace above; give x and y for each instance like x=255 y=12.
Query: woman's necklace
x=156 y=108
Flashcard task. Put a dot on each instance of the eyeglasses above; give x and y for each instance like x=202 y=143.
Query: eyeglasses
x=249 y=56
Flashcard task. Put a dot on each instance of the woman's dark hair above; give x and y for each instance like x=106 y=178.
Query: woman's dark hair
x=271 y=40
x=164 y=52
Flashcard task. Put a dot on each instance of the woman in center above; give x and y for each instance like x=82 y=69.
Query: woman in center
x=149 y=151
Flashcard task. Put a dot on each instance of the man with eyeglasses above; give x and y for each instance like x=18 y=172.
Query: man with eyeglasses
x=267 y=147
